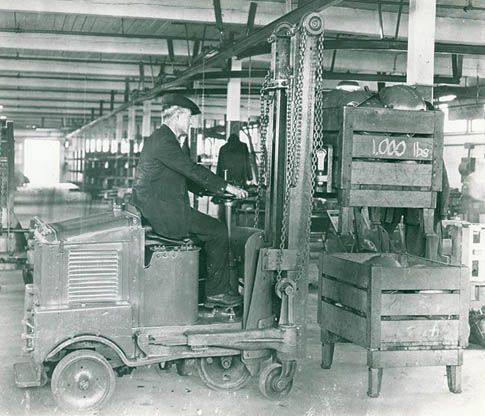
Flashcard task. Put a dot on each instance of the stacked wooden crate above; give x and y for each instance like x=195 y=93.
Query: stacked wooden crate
x=414 y=315
x=384 y=158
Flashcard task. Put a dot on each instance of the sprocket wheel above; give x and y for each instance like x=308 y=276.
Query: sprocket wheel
x=226 y=373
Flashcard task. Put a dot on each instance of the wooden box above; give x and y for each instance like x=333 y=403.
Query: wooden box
x=384 y=157
x=414 y=315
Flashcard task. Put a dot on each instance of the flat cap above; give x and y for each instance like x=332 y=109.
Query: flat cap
x=181 y=101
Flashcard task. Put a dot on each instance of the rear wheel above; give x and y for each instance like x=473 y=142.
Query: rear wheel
x=224 y=373
x=83 y=380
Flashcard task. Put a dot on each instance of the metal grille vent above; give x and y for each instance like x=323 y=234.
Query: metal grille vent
x=93 y=276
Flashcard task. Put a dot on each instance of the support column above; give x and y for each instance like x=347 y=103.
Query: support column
x=119 y=127
x=421 y=38
x=146 y=125
x=234 y=100
x=131 y=131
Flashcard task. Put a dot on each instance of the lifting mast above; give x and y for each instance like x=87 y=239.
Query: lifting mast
x=289 y=174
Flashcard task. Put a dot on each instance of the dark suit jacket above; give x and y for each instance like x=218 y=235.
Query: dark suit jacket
x=234 y=157
x=160 y=188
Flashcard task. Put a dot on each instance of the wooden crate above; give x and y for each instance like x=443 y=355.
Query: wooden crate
x=384 y=157
x=415 y=315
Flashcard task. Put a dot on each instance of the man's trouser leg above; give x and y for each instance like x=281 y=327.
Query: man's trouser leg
x=214 y=235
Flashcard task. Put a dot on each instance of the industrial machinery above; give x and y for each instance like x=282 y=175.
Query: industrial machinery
x=108 y=295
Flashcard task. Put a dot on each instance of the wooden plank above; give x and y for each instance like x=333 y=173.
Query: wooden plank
x=388 y=173
x=393 y=199
x=420 y=331
x=418 y=278
x=414 y=358
x=392 y=147
x=343 y=323
x=345 y=155
x=420 y=304
x=438 y=151
x=374 y=311
x=345 y=270
x=345 y=294
x=464 y=306
x=392 y=121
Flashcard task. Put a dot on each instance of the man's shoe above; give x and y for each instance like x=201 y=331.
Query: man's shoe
x=224 y=299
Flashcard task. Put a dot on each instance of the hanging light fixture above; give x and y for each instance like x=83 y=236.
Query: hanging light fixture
x=348 y=85
x=446 y=98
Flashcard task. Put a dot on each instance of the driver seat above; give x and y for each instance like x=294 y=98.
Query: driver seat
x=153 y=238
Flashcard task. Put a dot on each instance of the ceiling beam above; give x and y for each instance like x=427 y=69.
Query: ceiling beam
x=401 y=45
x=235 y=11
x=242 y=44
x=91 y=44
x=103 y=34
x=67 y=68
x=87 y=60
x=42 y=83
x=57 y=96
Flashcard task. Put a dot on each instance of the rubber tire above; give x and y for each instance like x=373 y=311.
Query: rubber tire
x=59 y=374
x=266 y=383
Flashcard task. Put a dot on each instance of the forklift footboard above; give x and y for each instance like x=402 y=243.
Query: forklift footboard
x=282 y=339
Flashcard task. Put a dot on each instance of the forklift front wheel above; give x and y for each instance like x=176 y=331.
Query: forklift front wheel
x=269 y=384
x=226 y=373
x=83 y=380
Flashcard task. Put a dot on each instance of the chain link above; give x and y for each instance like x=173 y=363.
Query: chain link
x=266 y=99
x=297 y=110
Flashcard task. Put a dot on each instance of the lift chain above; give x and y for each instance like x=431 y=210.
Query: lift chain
x=317 y=143
x=266 y=98
x=297 y=110
x=293 y=140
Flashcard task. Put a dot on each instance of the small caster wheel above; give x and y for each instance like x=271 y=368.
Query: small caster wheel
x=269 y=385
x=82 y=381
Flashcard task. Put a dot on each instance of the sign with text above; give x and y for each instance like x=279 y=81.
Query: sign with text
x=392 y=147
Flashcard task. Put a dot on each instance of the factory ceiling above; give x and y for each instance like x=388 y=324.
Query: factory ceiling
x=66 y=62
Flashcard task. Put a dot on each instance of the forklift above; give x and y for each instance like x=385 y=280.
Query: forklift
x=109 y=295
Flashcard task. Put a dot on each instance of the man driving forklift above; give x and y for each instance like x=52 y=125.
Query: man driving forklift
x=163 y=177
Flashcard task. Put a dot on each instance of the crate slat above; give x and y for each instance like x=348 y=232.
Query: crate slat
x=393 y=199
x=419 y=278
x=420 y=331
x=392 y=147
x=392 y=121
x=345 y=294
x=420 y=304
x=344 y=270
x=388 y=173
x=346 y=324
x=410 y=358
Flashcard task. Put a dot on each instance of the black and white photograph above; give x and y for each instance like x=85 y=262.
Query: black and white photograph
x=242 y=207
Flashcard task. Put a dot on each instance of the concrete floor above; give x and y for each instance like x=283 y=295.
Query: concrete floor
x=338 y=391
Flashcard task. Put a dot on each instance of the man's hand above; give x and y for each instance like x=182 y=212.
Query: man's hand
x=239 y=193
